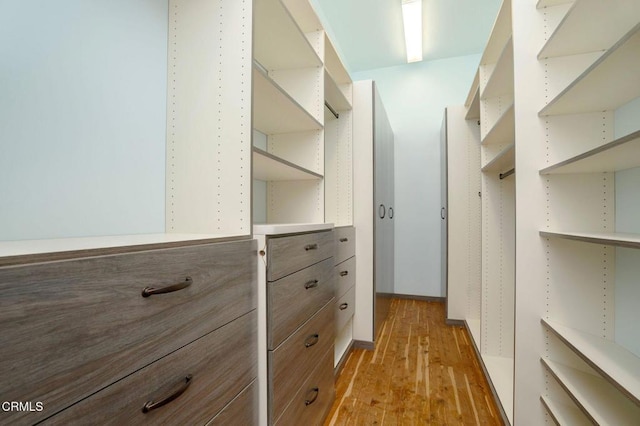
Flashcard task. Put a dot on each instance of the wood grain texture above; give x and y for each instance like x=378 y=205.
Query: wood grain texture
x=298 y=412
x=345 y=243
x=292 y=362
x=241 y=411
x=286 y=255
x=217 y=379
x=345 y=273
x=421 y=372
x=70 y=328
x=290 y=304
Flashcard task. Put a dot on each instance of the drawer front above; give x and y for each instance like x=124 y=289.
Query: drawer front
x=345 y=307
x=77 y=326
x=345 y=273
x=292 y=300
x=290 y=254
x=312 y=403
x=345 y=243
x=296 y=357
x=243 y=410
x=221 y=365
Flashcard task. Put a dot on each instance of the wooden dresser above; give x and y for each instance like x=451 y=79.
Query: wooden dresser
x=300 y=326
x=163 y=336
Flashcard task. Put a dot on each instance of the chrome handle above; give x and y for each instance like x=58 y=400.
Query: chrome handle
x=344 y=306
x=311 y=340
x=344 y=273
x=311 y=400
x=442 y=213
x=382 y=211
x=344 y=240
x=311 y=284
x=150 y=291
x=311 y=247
x=150 y=405
x=390 y=212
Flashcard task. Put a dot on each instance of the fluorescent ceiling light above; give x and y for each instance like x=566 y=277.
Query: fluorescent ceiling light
x=412 y=17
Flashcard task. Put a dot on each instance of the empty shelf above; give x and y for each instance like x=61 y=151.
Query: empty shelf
x=501 y=79
x=473 y=113
x=274 y=111
x=268 y=167
x=500 y=371
x=620 y=154
x=564 y=414
x=500 y=33
x=333 y=95
x=594 y=396
x=610 y=82
x=615 y=363
x=304 y=15
x=617 y=239
x=502 y=162
x=278 y=42
x=333 y=64
x=504 y=130
x=577 y=32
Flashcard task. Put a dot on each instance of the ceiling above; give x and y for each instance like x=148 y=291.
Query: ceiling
x=369 y=33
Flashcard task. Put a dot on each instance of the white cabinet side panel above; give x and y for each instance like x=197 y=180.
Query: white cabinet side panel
x=209 y=117
x=627 y=118
x=304 y=149
x=338 y=136
x=362 y=208
x=295 y=201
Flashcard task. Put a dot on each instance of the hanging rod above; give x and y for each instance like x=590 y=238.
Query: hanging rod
x=507 y=174
x=333 y=111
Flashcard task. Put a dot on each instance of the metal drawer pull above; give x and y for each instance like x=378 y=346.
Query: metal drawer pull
x=344 y=306
x=311 y=340
x=150 y=405
x=344 y=273
x=311 y=284
x=150 y=291
x=344 y=239
x=315 y=392
x=311 y=247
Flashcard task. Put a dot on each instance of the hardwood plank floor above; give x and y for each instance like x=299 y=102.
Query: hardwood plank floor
x=421 y=372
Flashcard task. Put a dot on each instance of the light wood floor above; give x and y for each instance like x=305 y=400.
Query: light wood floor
x=421 y=372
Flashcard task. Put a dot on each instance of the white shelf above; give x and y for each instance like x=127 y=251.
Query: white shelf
x=547 y=3
x=504 y=130
x=304 y=15
x=60 y=245
x=502 y=162
x=605 y=238
x=473 y=113
x=620 y=154
x=289 y=228
x=501 y=79
x=500 y=371
x=618 y=365
x=473 y=325
x=274 y=111
x=268 y=167
x=610 y=82
x=583 y=30
x=473 y=91
x=500 y=33
x=563 y=414
x=333 y=95
x=594 y=396
x=333 y=64
x=278 y=42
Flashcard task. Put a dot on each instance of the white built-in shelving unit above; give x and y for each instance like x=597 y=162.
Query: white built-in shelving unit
x=141 y=140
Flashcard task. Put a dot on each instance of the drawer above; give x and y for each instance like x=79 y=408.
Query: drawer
x=312 y=403
x=345 y=274
x=292 y=300
x=71 y=328
x=345 y=243
x=221 y=365
x=345 y=307
x=286 y=255
x=296 y=357
x=243 y=410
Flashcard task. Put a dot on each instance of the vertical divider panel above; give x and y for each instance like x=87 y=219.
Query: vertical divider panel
x=209 y=117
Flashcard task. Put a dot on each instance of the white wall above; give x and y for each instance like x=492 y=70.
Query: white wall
x=415 y=96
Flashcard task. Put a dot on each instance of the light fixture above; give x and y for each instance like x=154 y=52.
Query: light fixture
x=412 y=18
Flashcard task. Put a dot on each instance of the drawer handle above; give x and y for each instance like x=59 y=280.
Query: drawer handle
x=315 y=392
x=311 y=340
x=311 y=284
x=344 y=273
x=150 y=405
x=311 y=247
x=344 y=239
x=344 y=306
x=150 y=291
